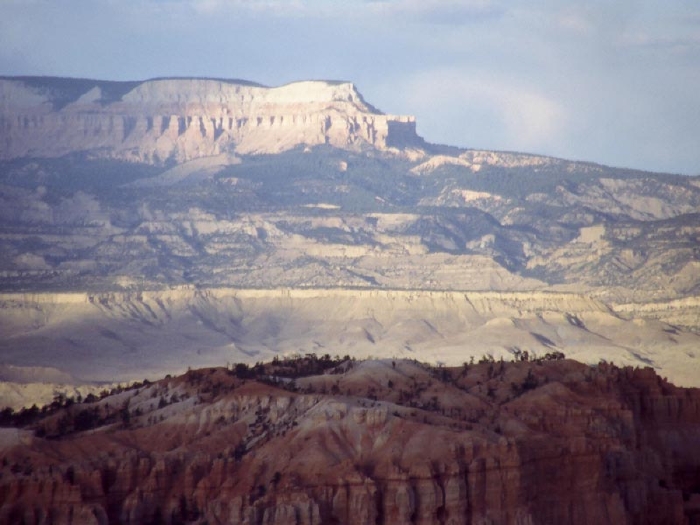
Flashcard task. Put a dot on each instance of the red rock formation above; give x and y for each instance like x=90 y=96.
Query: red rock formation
x=371 y=442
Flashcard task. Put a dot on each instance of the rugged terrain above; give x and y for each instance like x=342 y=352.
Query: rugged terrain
x=104 y=337
x=190 y=222
x=320 y=440
x=98 y=192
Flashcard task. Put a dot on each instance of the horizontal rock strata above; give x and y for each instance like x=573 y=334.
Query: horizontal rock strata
x=182 y=119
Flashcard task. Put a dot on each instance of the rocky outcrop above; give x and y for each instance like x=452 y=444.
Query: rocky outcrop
x=164 y=120
x=680 y=312
x=394 y=442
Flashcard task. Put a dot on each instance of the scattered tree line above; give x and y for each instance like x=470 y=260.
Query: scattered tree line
x=81 y=414
x=26 y=417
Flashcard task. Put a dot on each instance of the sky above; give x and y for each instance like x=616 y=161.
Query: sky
x=613 y=82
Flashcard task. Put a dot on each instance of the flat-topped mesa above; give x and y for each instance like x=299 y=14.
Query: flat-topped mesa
x=184 y=119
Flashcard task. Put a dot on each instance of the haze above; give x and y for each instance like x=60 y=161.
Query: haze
x=614 y=83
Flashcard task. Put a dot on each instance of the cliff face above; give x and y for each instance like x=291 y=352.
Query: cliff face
x=183 y=119
x=366 y=443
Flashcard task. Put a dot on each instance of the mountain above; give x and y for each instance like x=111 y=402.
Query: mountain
x=311 y=440
x=190 y=222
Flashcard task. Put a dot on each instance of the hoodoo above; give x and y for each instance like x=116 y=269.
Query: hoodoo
x=315 y=440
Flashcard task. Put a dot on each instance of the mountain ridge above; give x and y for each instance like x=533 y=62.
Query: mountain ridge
x=82 y=85
x=167 y=331
x=218 y=186
x=188 y=118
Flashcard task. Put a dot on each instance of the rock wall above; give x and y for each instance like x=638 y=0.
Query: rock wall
x=184 y=119
x=680 y=312
x=483 y=303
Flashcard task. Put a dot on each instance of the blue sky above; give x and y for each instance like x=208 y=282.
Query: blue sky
x=615 y=82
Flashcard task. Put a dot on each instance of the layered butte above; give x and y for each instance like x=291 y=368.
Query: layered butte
x=183 y=119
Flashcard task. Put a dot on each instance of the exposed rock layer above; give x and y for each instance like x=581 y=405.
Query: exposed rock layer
x=338 y=206
x=183 y=119
x=550 y=442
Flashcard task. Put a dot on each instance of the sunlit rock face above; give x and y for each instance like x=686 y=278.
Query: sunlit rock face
x=313 y=440
x=184 y=119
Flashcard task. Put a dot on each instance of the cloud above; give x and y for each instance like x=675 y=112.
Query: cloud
x=277 y=8
x=674 y=44
x=419 y=11
x=574 y=22
x=485 y=110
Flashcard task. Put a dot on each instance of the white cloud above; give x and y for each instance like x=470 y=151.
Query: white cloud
x=482 y=109
x=268 y=7
x=421 y=11
x=574 y=21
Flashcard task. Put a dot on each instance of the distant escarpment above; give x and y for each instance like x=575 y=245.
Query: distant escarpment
x=124 y=336
x=140 y=185
x=183 y=119
x=316 y=440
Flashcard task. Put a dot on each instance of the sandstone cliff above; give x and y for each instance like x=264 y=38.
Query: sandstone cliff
x=182 y=119
x=366 y=443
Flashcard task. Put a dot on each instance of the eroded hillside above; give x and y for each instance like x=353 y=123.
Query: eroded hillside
x=314 y=440
x=313 y=188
